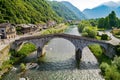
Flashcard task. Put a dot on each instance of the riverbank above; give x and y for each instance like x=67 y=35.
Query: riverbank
x=54 y=30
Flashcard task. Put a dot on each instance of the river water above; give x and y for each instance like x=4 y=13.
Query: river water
x=58 y=64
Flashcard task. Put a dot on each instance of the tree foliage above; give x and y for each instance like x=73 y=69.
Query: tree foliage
x=104 y=37
x=88 y=28
x=109 y=22
x=92 y=32
x=26 y=11
x=111 y=71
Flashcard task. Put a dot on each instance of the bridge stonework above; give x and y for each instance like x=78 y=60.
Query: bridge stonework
x=78 y=41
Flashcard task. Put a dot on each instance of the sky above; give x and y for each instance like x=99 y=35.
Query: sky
x=83 y=4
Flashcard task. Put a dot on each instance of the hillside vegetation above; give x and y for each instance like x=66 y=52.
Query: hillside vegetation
x=62 y=10
x=74 y=9
x=66 y=10
x=26 y=11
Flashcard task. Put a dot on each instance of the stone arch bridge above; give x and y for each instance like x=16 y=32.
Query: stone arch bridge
x=78 y=41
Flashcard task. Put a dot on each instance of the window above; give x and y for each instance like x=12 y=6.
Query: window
x=2 y=30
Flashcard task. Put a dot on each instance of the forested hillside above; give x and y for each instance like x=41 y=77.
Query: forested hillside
x=74 y=9
x=26 y=11
x=63 y=11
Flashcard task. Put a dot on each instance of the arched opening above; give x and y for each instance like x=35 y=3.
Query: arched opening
x=92 y=55
x=97 y=49
x=60 y=55
x=27 y=51
x=59 y=49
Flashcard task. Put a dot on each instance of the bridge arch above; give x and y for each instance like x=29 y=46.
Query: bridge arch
x=59 y=45
x=24 y=42
x=77 y=41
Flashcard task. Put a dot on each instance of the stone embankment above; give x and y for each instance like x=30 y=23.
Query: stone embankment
x=4 y=56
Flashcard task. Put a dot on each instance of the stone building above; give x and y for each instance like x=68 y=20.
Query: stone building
x=7 y=31
x=26 y=28
x=51 y=23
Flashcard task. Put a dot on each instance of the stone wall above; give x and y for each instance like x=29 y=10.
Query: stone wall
x=4 y=54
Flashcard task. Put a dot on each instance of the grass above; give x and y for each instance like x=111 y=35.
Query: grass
x=5 y=65
x=27 y=48
x=99 y=52
x=98 y=37
x=17 y=56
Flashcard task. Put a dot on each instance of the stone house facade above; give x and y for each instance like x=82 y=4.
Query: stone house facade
x=26 y=28
x=7 y=31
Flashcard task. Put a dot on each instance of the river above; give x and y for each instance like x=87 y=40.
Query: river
x=59 y=63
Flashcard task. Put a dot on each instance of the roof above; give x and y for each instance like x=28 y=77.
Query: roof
x=4 y=25
x=24 y=26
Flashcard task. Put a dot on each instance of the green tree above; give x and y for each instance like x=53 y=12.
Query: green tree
x=107 y=23
x=101 y=23
x=110 y=21
x=104 y=37
x=92 y=32
x=81 y=27
x=113 y=19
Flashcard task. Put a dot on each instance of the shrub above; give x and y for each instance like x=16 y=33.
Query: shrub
x=17 y=56
x=22 y=67
x=91 y=31
x=111 y=71
x=26 y=49
x=85 y=34
x=104 y=66
x=104 y=37
x=99 y=52
x=116 y=62
x=5 y=65
x=81 y=27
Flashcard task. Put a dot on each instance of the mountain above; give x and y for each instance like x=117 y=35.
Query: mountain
x=117 y=10
x=74 y=9
x=26 y=11
x=66 y=10
x=103 y=10
x=112 y=4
